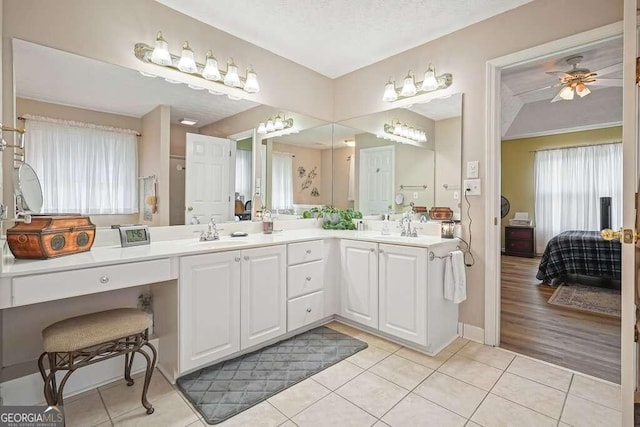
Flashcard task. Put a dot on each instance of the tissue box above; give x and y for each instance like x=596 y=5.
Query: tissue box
x=519 y=222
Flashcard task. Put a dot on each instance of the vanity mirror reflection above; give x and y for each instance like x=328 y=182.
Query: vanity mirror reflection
x=388 y=161
x=125 y=148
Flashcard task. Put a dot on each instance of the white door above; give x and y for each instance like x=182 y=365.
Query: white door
x=209 y=308
x=359 y=282
x=264 y=295
x=376 y=179
x=403 y=292
x=207 y=188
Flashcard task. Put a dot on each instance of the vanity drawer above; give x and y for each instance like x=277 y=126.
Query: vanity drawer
x=46 y=287
x=305 y=310
x=305 y=278
x=305 y=251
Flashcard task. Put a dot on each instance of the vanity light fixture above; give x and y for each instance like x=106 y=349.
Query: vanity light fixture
x=430 y=83
x=186 y=63
x=275 y=124
x=188 y=122
x=397 y=129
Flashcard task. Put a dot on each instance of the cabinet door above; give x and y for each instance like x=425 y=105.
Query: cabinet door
x=209 y=308
x=264 y=295
x=359 y=282
x=403 y=292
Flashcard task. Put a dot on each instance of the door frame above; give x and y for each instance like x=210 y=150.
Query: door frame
x=626 y=29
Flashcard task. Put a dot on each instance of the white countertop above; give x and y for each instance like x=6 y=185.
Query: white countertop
x=111 y=255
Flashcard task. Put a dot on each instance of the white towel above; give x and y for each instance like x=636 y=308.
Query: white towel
x=351 y=191
x=455 y=281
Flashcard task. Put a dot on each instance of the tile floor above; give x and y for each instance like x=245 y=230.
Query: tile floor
x=467 y=384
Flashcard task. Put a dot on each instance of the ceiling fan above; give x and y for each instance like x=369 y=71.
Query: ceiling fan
x=576 y=80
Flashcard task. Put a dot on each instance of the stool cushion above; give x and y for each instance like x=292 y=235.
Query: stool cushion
x=92 y=329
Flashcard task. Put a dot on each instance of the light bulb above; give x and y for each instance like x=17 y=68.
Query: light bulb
x=211 y=71
x=270 y=126
x=262 y=128
x=430 y=83
x=278 y=124
x=187 y=63
x=390 y=93
x=251 y=82
x=409 y=86
x=405 y=131
x=566 y=93
x=160 y=54
x=397 y=128
x=582 y=90
x=232 y=78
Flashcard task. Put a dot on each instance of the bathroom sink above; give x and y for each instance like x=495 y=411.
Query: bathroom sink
x=221 y=242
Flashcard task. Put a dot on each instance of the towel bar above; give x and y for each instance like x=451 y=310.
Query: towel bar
x=433 y=256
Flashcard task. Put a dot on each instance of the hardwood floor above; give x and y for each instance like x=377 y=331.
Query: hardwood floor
x=582 y=341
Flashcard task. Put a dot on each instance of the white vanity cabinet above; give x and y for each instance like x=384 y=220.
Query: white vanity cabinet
x=305 y=283
x=209 y=308
x=359 y=282
x=264 y=294
x=403 y=292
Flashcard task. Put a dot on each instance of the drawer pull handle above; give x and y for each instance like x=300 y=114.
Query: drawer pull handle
x=372 y=250
x=246 y=258
x=104 y=280
x=308 y=278
x=309 y=251
x=308 y=310
x=237 y=259
x=381 y=251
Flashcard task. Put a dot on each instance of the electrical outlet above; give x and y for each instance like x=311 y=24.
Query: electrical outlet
x=456 y=195
x=472 y=169
x=472 y=187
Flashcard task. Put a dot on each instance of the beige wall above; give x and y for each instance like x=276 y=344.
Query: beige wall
x=448 y=152
x=465 y=53
x=178 y=136
x=154 y=160
x=63 y=112
x=308 y=158
x=518 y=169
x=340 y=172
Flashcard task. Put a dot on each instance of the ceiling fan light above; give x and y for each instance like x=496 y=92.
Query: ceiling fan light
x=251 y=82
x=160 y=54
x=430 y=82
x=390 y=93
x=409 y=86
x=211 y=71
x=566 y=93
x=582 y=90
x=232 y=78
x=187 y=63
x=262 y=128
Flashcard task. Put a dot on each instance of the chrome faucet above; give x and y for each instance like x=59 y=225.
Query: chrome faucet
x=211 y=233
x=195 y=220
x=407 y=232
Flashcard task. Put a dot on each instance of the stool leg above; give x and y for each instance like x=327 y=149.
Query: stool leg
x=128 y=363
x=151 y=363
x=59 y=397
x=49 y=392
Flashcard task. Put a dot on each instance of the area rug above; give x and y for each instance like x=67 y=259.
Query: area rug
x=588 y=298
x=225 y=389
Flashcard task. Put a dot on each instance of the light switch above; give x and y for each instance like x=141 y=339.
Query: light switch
x=472 y=169
x=456 y=195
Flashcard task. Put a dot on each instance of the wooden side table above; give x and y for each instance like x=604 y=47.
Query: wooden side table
x=520 y=241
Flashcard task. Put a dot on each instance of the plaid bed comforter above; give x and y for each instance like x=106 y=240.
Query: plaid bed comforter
x=580 y=252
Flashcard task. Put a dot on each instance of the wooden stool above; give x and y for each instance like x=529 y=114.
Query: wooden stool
x=84 y=340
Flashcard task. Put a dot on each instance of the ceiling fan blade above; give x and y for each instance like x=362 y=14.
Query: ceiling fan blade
x=610 y=69
x=526 y=92
x=607 y=82
x=559 y=74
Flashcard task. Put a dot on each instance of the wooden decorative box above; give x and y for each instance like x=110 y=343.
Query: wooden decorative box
x=441 y=213
x=51 y=236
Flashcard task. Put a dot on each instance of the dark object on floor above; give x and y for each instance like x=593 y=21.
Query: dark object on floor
x=636 y=414
x=223 y=390
x=84 y=340
x=580 y=252
x=520 y=241
x=588 y=298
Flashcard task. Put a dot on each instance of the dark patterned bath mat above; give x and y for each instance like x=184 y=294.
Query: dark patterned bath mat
x=225 y=389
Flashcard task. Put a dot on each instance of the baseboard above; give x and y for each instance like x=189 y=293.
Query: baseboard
x=471 y=332
x=27 y=390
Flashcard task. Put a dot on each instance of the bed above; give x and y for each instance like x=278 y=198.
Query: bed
x=580 y=252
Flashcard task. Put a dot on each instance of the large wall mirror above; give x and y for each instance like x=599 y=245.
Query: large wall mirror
x=392 y=160
x=104 y=138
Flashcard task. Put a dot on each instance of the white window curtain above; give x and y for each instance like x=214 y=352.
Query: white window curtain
x=243 y=174
x=281 y=181
x=568 y=185
x=83 y=168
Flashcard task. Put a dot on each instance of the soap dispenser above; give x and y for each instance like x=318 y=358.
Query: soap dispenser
x=267 y=222
x=385 y=225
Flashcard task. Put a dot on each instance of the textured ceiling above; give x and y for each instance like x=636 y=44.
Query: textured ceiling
x=59 y=77
x=335 y=37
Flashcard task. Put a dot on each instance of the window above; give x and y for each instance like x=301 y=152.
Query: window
x=243 y=174
x=83 y=168
x=282 y=181
x=568 y=185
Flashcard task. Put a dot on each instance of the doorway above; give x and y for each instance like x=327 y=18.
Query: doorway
x=376 y=176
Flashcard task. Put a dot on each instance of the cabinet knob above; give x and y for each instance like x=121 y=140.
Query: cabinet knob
x=104 y=280
x=309 y=251
x=381 y=251
x=308 y=278
x=372 y=250
x=308 y=310
x=246 y=258
x=237 y=259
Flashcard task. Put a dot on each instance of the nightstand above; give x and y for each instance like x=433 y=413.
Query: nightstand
x=520 y=241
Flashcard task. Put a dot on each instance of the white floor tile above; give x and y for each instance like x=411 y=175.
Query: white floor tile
x=338 y=374
x=540 y=372
x=533 y=395
x=496 y=412
x=488 y=355
x=433 y=362
x=585 y=413
x=345 y=329
x=413 y=410
x=298 y=397
x=170 y=411
x=368 y=357
x=456 y=345
x=333 y=410
x=596 y=391
x=261 y=415
x=470 y=371
x=121 y=398
x=401 y=371
x=372 y=393
x=373 y=340
x=85 y=410
x=450 y=393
